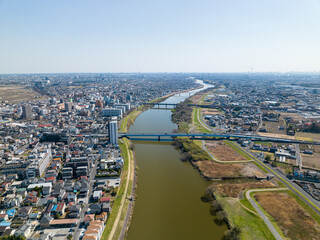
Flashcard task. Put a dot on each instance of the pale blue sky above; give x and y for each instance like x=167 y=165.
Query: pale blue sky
x=39 y=36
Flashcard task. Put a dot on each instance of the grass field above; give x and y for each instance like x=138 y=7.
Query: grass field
x=198 y=125
x=252 y=227
x=17 y=93
x=128 y=120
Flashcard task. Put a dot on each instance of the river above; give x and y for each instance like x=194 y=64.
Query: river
x=168 y=204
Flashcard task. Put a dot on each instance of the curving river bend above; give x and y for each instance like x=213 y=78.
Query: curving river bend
x=168 y=204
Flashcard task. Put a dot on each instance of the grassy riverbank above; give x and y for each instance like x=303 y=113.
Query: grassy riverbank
x=123 y=192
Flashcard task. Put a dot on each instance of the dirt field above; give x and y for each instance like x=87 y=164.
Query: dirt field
x=215 y=170
x=276 y=135
x=273 y=127
x=195 y=98
x=307 y=136
x=17 y=93
x=223 y=152
x=293 y=220
x=227 y=189
x=294 y=116
x=209 y=111
x=310 y=160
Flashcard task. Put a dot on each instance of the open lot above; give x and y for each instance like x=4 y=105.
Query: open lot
x=273 y=127
x=307 y=136
x=310 y=160
x=17 y=93
x=211 y=169
x=276 y=135
x=294 y=116
x=293 y=220
x=223 y=151
x=233 y=189
x=56 y=233
x=210 y=111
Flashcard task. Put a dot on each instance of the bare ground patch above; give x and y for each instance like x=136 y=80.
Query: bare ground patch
x=223 y=152
x=17 y=93
x=228 y=189
x=215 y=170
x=293 y=220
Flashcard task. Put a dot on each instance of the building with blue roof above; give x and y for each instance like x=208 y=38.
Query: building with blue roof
x=11 y=213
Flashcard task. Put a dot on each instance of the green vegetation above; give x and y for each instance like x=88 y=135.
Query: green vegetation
x=245 y=202
x=129 y=120
x=261 y=167
x=117 y=202
x=191 y=150
x=13 y=237
x=199 y=126
x=238 y=150
x=252 y=226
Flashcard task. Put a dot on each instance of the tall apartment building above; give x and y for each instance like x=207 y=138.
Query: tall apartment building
x=27 y=112
x=68 y=106
x=113 y=131
x=39 y=160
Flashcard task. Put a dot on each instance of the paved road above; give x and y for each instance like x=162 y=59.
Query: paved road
x=124 y=197
x=304 y=196
x=261 y=213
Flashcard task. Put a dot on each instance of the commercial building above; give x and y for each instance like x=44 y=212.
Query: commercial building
x=112 y=112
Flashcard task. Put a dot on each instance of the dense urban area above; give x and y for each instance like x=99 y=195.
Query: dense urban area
x=67 y=168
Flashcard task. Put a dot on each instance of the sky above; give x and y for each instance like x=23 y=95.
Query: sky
x=53 y=36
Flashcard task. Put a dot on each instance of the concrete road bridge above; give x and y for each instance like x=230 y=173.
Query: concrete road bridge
x=158 y=136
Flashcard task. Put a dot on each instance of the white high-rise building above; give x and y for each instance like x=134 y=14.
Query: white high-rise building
x=113 y=131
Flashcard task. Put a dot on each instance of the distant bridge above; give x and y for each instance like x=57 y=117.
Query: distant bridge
x=173 y=105
x=158 y=136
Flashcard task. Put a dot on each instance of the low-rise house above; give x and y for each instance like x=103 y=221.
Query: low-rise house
x=74 y=211
x=24 y=212
x=72 y=198
x=96 y=195
x=61 y=208
x=25 y=231
x=3 y=217
x=88 y=218
x=102 y=217
x=106 y=207
x=45 y=221
x=95 y=208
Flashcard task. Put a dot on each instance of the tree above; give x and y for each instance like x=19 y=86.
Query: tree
x=233 y=234
x=268 y=158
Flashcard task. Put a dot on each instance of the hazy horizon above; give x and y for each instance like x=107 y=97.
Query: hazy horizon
x=165 y=36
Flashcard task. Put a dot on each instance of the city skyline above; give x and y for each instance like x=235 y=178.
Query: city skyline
x=180 y=36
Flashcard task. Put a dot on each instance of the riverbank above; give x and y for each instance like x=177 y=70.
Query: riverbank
x=126 y=190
